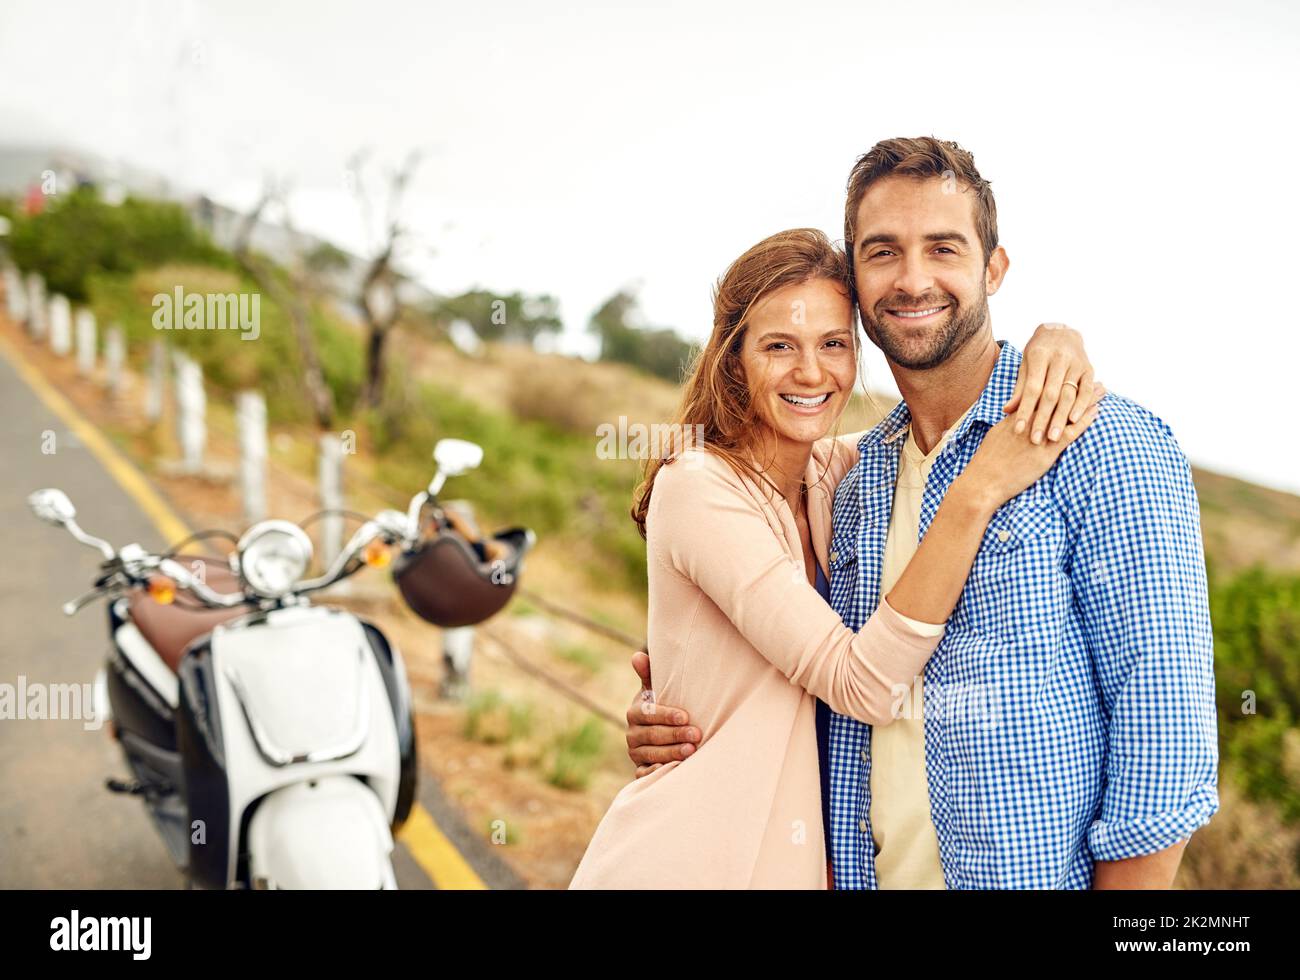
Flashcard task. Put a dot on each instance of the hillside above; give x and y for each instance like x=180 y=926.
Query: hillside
x=1242 y=523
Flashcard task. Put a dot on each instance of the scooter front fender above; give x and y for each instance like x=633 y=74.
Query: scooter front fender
x=327 y=833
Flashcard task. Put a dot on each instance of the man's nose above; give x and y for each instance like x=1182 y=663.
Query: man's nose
x=913 y=277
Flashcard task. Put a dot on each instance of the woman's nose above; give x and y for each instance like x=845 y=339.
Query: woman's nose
x=809 y=370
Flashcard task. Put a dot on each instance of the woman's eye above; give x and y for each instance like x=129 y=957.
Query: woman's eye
x=778 y=346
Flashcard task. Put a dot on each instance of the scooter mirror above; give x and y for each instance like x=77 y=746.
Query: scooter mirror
x=52 y=506
x=456 y=456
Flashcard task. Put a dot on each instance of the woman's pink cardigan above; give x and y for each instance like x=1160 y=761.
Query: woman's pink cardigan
x=739 y=639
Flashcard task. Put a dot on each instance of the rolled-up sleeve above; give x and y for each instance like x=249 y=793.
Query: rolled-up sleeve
x=1138 y=577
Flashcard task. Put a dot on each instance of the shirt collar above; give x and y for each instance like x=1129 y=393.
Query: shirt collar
x=987 y=408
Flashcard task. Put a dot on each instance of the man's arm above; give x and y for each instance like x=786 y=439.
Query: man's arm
x=1148 y=871
x=1138 y=578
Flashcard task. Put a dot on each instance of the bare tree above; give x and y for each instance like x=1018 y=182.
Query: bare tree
x=292 y=299
x=379 y=300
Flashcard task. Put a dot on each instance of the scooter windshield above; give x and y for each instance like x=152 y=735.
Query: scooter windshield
x=303 y=690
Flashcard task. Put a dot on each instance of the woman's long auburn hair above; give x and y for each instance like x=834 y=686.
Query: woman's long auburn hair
x=716 y=401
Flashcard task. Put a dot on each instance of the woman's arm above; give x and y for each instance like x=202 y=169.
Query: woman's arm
x=709 y=525
x=1005 y=464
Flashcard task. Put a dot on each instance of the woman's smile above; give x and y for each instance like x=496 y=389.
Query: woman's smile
x=806 y=404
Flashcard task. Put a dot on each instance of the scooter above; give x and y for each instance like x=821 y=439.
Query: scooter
x=272 y=740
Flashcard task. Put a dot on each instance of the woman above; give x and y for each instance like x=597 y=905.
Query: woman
x=737 y=533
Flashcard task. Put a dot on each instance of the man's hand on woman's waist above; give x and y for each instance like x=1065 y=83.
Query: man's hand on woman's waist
x=656 y=733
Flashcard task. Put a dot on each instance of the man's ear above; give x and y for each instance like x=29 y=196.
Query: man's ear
x=995 y=270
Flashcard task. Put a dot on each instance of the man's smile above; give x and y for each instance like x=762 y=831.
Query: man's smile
x=917 y=313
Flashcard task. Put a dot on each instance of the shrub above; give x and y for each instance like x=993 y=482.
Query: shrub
x=78 y=235
x=1256 y=615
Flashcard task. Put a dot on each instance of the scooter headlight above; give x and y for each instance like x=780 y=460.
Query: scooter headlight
x=273 y=556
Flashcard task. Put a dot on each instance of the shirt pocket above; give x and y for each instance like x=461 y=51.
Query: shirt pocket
x=1016 y=585
x=1016 y=526
x=842 y=562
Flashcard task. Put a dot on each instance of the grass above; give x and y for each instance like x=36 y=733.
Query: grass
x=576 y=753
x=520 y=606
x=587 y=659
x=567 y=761
x=493 y=720
x=533 y=474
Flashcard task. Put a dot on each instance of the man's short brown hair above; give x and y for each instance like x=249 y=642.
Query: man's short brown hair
x=923 y=156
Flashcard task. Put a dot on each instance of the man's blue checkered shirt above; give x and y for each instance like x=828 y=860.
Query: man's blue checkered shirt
x=1069 y=710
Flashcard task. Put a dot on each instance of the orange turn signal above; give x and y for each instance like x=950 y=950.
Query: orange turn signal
x=378 y=554
x=162 y=590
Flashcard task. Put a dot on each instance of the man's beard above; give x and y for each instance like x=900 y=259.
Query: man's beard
x=961 y=324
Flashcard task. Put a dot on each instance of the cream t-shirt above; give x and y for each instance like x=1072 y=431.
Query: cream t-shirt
x=907 y=849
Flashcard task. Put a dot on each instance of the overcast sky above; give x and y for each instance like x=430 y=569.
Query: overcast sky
x=1143 y=155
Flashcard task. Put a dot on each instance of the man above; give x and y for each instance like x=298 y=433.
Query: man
x=1064 y=734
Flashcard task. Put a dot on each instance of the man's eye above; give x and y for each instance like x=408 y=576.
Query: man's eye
x=945 y=248
x=876 y=255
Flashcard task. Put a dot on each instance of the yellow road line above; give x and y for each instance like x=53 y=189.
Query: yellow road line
x=436 y=854
x=427 y=843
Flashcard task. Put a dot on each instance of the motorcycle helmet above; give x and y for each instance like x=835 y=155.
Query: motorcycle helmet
x=450 y=583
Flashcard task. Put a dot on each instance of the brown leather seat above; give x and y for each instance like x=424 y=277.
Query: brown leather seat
x=170 y=629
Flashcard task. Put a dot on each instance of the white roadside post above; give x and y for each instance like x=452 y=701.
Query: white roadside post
x=15 y=295
x=330 y=479
x=457 y=653
x=251 y=415
x=85 y=342
x=114 y=358
x=60 y=324
x=191 y=404
x=153 y=405
x=36 y=312
x=458 y=641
